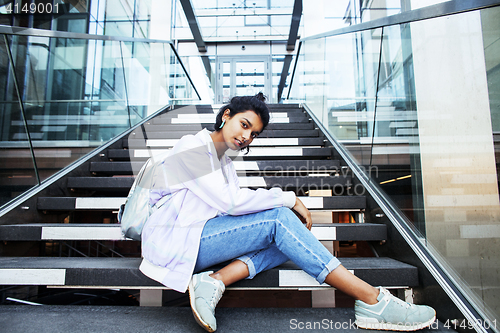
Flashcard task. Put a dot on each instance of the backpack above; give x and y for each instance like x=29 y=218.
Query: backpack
x=136 y=210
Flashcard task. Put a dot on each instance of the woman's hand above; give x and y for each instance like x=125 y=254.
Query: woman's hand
x=302 y=213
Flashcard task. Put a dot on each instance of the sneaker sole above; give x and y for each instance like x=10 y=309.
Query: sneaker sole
x=196 y=315
x=373 y=324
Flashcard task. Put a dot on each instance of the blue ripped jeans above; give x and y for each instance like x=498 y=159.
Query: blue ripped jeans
x=262 y=241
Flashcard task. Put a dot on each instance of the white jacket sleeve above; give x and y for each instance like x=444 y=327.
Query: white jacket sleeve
x=289 y=197
x=194 y=167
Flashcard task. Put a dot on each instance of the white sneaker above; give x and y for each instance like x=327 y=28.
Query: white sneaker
x=204 y=294
x=391 y=313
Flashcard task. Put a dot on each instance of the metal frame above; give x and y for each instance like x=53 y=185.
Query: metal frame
x=294 y=25
x=439 y=10
x=193 y=25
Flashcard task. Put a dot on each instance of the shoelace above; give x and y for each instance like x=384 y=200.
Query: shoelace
x=397 y=300
x=216 y=296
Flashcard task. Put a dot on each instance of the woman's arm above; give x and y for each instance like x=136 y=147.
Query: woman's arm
x=303 y=213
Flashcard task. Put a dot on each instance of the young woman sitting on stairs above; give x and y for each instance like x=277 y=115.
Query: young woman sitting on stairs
x=208 y=219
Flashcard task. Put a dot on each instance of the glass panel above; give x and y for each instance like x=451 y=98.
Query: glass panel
x=202 y=72
x=419 y=103
x=351 y=87
x=314 y=75
x=71 y=23
x=118 y=28
x=180 y=88
x=119 y=10
x=17 y=171
x=78 y=94
x=143 y=10
x=457 y=147
x=395 y=143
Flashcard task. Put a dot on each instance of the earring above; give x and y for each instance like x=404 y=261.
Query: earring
x=223 y=122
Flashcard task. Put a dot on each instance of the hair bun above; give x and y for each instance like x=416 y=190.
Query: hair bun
x=261 y=97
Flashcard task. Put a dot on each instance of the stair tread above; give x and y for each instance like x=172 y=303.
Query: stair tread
x=164 y=132
x=208 y=121
x=124 y=273
x=258 y=142
x=198 y=127
x=99 y=231
x=255 y=153
x=24 y=318
x=126 y=167
x=337 y=203
x=125 y=182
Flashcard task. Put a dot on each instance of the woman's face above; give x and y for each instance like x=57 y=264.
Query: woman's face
x=240 y=130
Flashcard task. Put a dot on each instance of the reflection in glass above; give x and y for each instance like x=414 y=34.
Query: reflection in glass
x=417 y=104
x=17 y=171
x=456 y=149
x=79 y=93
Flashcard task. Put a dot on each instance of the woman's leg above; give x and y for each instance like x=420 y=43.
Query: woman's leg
x=340 y=278
x=266 y=239
x=262 y=240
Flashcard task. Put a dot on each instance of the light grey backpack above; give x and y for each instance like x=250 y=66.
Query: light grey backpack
x=136 y=210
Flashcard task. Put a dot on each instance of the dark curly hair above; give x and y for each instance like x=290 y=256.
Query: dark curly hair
x=240 y=104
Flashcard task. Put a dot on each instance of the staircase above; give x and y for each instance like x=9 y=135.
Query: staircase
x=79 y=245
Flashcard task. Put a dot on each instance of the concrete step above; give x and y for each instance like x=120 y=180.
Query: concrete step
x=289 y=166
x=286 y=183
x=258 y=142
x=334 y=203
x=210 y=120
x=255 y=153
x=162 y=132
x=205 y=114
x=209 y=126
x=123 y=273
x=83 y=319
x=77 y=231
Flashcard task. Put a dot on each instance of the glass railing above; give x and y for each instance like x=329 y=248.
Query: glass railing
x=65 y=94
x=414 y=99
